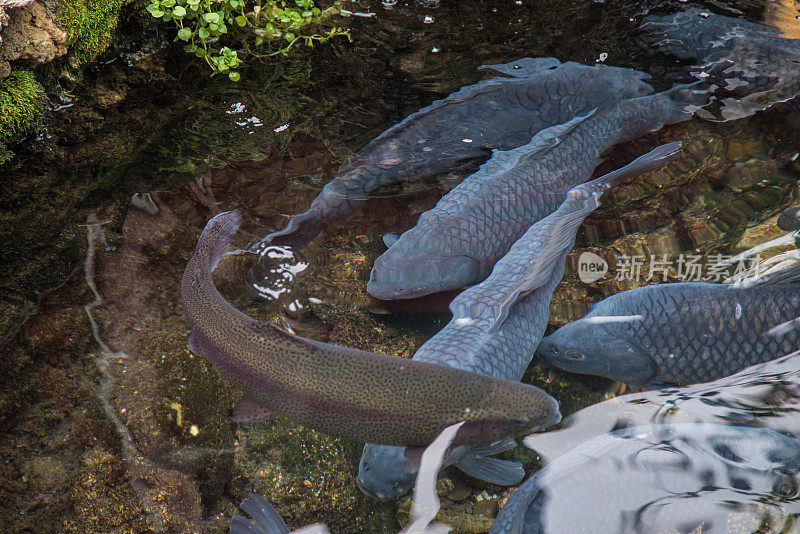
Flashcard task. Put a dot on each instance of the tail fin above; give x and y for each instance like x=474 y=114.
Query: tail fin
x=267 y=520
x=563 y=223
x=647 y=162
x=217 y=236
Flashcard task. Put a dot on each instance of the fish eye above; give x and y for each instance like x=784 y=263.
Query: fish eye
x=554 y=350
x=577 y=356
x=519 y=422
x=786 y=489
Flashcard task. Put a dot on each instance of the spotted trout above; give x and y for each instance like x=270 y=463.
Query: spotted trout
x=341 y=391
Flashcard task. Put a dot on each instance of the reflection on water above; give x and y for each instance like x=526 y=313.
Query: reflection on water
x=136 y=437
x=693 y=477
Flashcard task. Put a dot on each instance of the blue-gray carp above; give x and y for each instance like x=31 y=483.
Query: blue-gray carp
x=495 y=328
x=502 y=113
x=681 y=333
x=341 y=391
x=750 y=65
x=457 y=243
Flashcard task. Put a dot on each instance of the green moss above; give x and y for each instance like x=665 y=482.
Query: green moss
x=89 y=24
x=20 y=105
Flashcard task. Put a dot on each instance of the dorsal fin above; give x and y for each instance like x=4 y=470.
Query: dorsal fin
x=561 y=226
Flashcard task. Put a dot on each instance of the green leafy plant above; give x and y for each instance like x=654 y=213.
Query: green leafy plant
x=263 y=27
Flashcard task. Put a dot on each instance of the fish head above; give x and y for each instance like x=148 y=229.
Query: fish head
x=513 y=409
x=383 y=473
x=586 y=348
x=387 y=472
x=396 y=275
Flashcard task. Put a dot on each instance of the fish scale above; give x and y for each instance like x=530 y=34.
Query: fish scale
x=496 y=113
x=458 y=242
x=752 y=61
x=497 y=324
x=691 y=332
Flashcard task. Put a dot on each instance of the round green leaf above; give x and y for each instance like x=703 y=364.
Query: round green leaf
x=184 y=33
x=179 y=11
x=241 y=20
x=234 y=76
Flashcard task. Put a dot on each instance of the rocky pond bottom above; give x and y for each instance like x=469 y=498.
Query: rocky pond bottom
x=111 y=425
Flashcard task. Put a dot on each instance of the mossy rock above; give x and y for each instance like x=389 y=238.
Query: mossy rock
x=89 y=25
x=20 y=106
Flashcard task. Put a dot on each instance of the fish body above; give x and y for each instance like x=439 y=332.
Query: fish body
x=502 y=112
x=663 y=478
x=789 y=219
x=457 y=243
x=340 y=391
x=751 y=65
x=496 y=326
x=763 y=395
x=681 y=333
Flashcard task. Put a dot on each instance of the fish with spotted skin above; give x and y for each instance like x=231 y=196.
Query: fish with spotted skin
x=681 y=333
x=495 y=328
x=663 y=478
x=502 y=112
x=344 y=392
x=457 y=243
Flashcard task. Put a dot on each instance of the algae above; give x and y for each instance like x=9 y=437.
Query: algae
x=89 y=25
x=21 y=98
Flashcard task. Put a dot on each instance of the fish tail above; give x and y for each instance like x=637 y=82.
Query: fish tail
x=217 y=236
x=647 y=162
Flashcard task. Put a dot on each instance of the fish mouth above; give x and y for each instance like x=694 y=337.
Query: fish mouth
x=388 y=292
x=376 y=494
x=396 y=277
x=554 y=419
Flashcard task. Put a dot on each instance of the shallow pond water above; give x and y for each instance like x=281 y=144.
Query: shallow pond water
x=112 y=425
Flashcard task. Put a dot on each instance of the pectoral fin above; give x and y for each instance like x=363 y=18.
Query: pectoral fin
x=251 y=411
x=503 y=472
x=390 y=239
x=494 y=470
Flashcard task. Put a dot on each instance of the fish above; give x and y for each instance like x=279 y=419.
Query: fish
x=501 y=112
x=456 y=243
x=763 y=395
x=265 y=518
x=681 y=333
x=750 y=65
x=663 y=478
x=495 y=328
x=341 y=391
x=789 y=219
